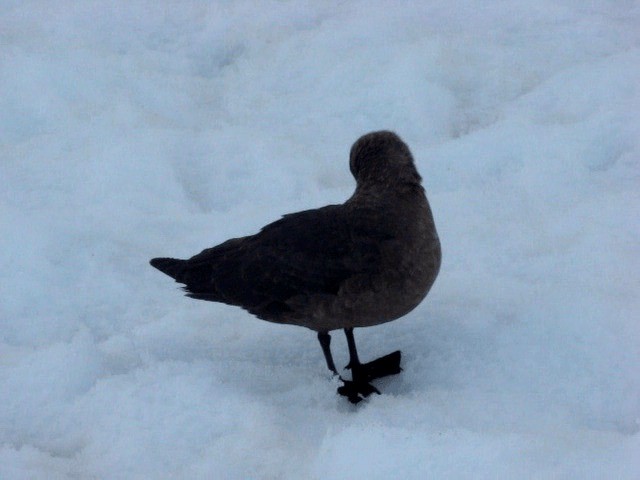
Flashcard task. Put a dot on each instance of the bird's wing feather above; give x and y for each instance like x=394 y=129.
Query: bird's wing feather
x=305 y=253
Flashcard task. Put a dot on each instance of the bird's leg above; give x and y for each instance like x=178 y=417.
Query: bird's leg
x=354 y=361
x=358 y=387
x=378 y=368
x=325 y=342
x=362 y=373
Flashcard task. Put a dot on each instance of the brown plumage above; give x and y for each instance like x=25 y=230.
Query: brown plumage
x=367 y=261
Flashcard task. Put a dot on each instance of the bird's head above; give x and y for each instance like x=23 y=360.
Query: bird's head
x=382 y=158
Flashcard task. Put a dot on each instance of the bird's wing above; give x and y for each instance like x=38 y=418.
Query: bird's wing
x=305 y=253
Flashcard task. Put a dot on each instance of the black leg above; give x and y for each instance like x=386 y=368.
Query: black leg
x=380 y=367
x=362 y=373
x=325 y=342
x=358 y=387
x=354 y=361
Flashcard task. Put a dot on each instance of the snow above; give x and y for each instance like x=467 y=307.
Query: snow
x=130 y=130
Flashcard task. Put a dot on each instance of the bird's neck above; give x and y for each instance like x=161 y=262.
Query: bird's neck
x=384 y=192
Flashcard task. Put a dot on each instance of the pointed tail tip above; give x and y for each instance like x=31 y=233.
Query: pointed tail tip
x=170 y=266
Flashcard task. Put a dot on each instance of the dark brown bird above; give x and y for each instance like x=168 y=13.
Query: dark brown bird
x=365 y=262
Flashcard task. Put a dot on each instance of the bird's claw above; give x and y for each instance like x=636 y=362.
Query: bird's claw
x=359 y=387
x=356 y=391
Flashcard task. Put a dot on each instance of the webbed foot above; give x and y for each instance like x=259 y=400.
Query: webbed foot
x=356 y=391
x=380 y=367
x=362 y=373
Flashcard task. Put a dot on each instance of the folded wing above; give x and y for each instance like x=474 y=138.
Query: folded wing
x=307 y=253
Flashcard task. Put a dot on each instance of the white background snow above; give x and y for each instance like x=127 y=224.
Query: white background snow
x=130 y=130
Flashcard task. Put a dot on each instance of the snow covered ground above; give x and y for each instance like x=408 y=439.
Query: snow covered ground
x=137 y=129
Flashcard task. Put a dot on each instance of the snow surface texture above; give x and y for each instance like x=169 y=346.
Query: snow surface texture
x=130 y=130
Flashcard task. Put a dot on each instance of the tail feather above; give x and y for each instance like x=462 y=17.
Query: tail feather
x=173 y=267
x=197 y=277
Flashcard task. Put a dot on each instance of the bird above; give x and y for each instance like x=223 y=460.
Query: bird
x=367 y=261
